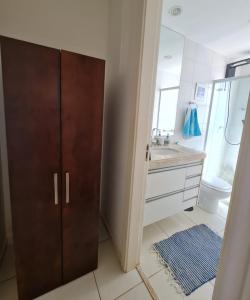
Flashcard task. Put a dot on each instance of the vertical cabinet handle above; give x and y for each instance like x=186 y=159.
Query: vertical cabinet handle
x=67 y=187
x=56 y=188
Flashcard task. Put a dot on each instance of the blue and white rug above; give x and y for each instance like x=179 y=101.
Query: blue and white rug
x=191 y=256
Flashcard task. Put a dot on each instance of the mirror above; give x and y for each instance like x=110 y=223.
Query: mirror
x=167 y=81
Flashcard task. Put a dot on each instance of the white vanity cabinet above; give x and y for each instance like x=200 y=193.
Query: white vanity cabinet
x=171 y=190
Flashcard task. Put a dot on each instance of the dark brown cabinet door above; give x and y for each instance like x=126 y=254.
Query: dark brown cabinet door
x=31 y=78
x=82 y=84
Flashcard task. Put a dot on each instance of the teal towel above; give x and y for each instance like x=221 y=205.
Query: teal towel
x=191 y=125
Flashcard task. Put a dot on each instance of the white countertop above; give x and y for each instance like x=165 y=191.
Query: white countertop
x=172 y=155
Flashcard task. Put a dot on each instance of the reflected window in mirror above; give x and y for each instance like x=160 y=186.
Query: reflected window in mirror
x=167 y=109
x=167 y=81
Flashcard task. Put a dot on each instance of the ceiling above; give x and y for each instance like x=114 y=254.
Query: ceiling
x=221 y=25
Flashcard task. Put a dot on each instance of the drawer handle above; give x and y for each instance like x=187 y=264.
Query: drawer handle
x=56 y=188
x=67 y=187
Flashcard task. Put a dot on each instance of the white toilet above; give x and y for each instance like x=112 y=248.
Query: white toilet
x=212 y=190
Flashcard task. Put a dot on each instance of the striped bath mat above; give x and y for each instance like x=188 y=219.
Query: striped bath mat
x=191 y=256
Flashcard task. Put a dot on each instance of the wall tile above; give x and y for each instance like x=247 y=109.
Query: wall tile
x=202 y=112
x=204 y=55
x=190 y=49
x=218 y=59
x=218 y=72
x=202 y=73
x=187 y=71
x=186 y=92
x=200 y=64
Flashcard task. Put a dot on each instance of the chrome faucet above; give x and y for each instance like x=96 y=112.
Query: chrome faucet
x=167 y=140
x=157 y=131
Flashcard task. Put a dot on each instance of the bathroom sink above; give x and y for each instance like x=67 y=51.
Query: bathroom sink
x=172 y=155
x=163 y=153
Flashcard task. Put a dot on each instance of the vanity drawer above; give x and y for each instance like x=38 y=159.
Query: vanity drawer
x=159 y=209
x=193 y=171
x=193 y=181
x=192 y=193
x=165 y=182
x=189 y=203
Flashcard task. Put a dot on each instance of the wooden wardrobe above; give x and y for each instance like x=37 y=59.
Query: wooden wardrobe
x=53 y=110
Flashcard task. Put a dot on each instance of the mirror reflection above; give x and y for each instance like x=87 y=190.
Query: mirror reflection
x=167 y=83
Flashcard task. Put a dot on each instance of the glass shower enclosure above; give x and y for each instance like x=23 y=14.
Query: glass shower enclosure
x=226 y=121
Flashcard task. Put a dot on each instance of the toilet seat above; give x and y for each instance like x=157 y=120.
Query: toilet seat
x=217 y=184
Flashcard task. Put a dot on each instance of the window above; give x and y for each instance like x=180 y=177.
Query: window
x=167 y=107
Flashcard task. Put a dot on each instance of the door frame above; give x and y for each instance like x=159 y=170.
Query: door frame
x=142 y=132
x=237 y=230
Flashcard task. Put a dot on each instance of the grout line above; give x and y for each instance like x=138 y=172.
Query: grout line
x=190 y=219
x=211 y=225
x=150 y=276
x=130 y=289
x=159 y=227
x=147 y=283
x=97 y=286
x=184 y=227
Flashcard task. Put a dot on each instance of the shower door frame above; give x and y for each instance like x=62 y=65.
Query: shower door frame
x=229 y=79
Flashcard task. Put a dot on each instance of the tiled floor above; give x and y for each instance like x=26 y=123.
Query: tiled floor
x=108 y=282
x=157 y=274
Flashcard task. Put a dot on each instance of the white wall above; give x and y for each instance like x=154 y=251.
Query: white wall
x=108 y=29
x=78 y=25
x=125 y=32
x=200 y=64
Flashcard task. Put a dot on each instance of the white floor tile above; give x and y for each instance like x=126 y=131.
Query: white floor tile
x=221 y=233
x=8 y=290
x=83 y=288
x=205 y=292
x=181 y=221
x=103 y=234
x=200 y=216
x=175 y=223
x=149 y=261
x=164 y=289
x=7 y=268
x=212 y=281
x=139 y=292
x=111 y=280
